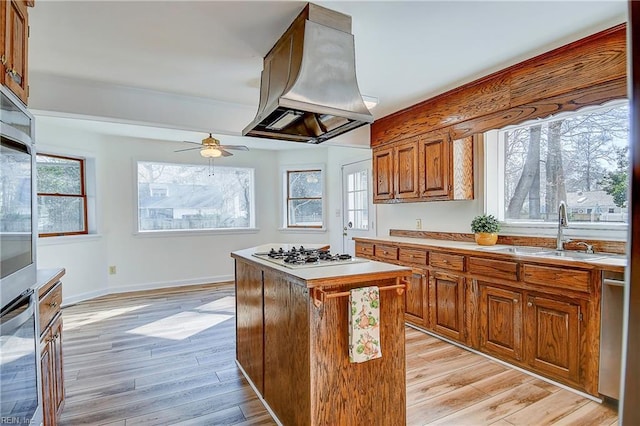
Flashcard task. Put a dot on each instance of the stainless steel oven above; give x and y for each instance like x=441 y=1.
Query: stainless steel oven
x=18 y=219
x=19 y=362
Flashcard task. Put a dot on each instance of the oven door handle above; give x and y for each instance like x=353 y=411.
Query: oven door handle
x=9 y=326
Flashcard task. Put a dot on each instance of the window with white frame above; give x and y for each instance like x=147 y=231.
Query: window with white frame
x=581 y=158
x=188 y=197
x=304 y=193
x=62 y=199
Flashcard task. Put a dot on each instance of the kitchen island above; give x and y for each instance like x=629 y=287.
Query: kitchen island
x=293 y=341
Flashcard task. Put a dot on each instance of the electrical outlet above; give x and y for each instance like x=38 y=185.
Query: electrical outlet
x=112 y=270
x=418 y=223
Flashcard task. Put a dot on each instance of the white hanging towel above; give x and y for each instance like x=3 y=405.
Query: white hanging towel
x=364 y=324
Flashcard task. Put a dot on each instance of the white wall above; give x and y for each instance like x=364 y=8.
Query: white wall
x=144 y=262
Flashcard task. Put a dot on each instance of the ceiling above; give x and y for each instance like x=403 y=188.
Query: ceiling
x=405 y=51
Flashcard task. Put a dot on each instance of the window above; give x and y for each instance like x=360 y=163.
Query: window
x=188 y=197
x=304 y=201
x=62 y=201
x=581 y=158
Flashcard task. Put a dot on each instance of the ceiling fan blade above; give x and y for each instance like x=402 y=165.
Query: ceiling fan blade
x=187 y=149
x=236 y=147
x=225 y=153
x=195 y=143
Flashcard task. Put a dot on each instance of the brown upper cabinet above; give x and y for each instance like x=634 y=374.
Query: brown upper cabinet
x=14 y=42
x=424 y=169
x=396 y=173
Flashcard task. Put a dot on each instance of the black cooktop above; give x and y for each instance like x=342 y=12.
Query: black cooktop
x=303 y=257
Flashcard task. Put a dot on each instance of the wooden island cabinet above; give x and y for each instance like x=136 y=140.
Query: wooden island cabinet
x=293 y=341
x=539 y=314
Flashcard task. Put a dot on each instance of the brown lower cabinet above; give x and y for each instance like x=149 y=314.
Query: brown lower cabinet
x=501 y=322
x=552 y=329
x=541 y=317
x=417 y=298
x=446 y=304
x=51 y=365
x=52 y=373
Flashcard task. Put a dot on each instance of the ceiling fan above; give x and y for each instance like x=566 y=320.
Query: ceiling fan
x=210 y=148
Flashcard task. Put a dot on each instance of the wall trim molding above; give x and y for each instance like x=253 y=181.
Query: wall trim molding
x=83 y=297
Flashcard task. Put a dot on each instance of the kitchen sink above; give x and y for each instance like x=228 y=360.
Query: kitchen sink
x=517 y=250
x=549 y=253
x=578 y=255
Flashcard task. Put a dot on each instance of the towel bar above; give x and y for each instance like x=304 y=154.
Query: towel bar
x=319 y=295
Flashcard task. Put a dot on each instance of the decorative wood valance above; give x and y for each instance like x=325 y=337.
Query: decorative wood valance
x=589 y=71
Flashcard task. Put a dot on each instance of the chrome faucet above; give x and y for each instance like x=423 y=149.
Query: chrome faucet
x=563 y=222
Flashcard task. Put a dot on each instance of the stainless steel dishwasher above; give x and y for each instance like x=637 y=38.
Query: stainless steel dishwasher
x=611 y=334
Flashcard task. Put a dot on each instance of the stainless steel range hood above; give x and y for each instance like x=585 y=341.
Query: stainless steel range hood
x=309 y=92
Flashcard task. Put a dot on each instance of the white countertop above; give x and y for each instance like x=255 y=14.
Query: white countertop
x=368 y=267
x=618 y=261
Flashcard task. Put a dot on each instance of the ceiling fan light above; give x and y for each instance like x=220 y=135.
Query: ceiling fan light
x=210 y=152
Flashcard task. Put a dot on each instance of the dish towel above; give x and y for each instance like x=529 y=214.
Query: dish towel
x=364 y=324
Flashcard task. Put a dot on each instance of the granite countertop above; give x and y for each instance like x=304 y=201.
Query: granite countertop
x=608 y=261
x=316 y=276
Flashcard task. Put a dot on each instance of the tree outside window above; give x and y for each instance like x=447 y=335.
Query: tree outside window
x=581 y=158
x=304 y=199
x=62 y=201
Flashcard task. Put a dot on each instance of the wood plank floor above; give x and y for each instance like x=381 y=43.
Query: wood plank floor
x=167 y=358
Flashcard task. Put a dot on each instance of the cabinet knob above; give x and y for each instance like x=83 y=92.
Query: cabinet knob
x=530 y=304
x=53 y=304
x=3 y=59
x=515 y=300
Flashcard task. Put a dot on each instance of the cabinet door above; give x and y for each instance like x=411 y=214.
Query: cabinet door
x=501 y=322
x=15 y=47
x=416 y=298
x=553 y=337
x=57 y=366
x=434 y=168
x=48 y=398
x=446 y=304
x=383 y=179
x=3 y=36
x=407 y=172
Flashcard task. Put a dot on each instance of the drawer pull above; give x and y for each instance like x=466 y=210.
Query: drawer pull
x=53 y=304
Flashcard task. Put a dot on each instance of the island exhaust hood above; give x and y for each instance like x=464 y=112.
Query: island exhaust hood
x=309 y=92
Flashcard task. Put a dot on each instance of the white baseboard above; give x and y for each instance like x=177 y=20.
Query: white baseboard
x=145 y=287
x=72 y=300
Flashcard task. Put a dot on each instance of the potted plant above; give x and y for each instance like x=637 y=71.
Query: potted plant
x=485 y=227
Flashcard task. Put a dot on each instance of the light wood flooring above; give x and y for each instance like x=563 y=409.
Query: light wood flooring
x=167 y=358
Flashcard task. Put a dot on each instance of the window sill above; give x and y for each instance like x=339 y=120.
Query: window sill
x=302 y=230
x=194 y=233
x=68 y=239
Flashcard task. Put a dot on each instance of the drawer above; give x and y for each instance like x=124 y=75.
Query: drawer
x=386 y=252
x=453 y=262
x=49 y=305
x=412 y=256
x=364 y=249
x=549 y=276
x=493 y=268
